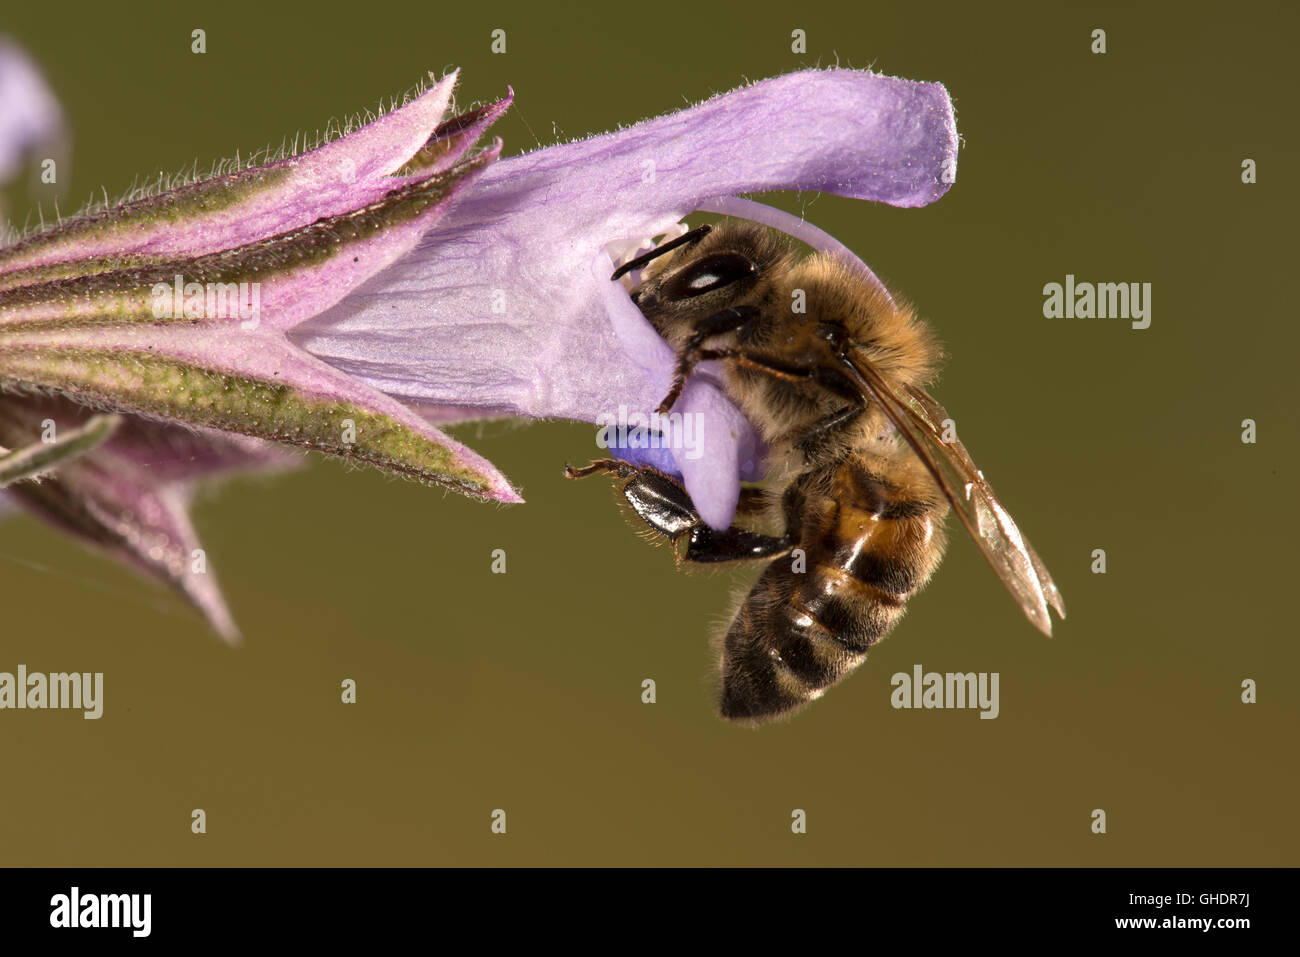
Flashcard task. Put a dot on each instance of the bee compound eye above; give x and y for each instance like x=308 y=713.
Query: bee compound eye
x=709 y=274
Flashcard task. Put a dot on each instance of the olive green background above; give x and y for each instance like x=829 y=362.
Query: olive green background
x=522 y=691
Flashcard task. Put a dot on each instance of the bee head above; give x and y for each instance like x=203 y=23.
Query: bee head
x=723 y=267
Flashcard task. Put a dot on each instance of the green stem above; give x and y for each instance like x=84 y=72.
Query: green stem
x=32 y=460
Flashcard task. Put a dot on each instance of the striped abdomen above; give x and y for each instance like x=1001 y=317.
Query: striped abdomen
x=868 y=544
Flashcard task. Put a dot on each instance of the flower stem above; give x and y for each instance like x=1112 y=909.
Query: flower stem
x=31 y=460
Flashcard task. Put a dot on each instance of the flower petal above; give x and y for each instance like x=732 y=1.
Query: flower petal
x=241 y=208
x=30 y=116
x=712 y=467
x=254 y=384
x=129 y=496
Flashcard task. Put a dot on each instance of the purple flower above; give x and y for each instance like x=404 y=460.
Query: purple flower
x=347 y=299
x=173 y=309
x=176 y=306
x=506 y=307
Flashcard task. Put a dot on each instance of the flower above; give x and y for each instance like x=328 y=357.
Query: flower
x=176 y=306
x=350 y=298
x=173 y=309
x=506 y=308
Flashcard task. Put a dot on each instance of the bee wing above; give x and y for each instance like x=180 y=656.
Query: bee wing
x=918 y=417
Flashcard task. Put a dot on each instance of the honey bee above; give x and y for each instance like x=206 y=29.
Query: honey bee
x=863 y=477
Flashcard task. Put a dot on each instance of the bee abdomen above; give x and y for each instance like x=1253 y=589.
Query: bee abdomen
x=780 y=653
x=798 y=633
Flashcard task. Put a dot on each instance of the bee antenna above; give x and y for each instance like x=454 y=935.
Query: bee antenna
x=694 y=236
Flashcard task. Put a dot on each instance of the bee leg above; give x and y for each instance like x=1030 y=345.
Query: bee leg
x=775 y=366
x=772 y=365
x=733 y=544
x=664 y=504
x=824 y=432
x=660 y=500
x=618 y=468
x=728 y=320
x=752 y=500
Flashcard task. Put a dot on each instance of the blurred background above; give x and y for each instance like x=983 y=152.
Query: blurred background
x=523 y=691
